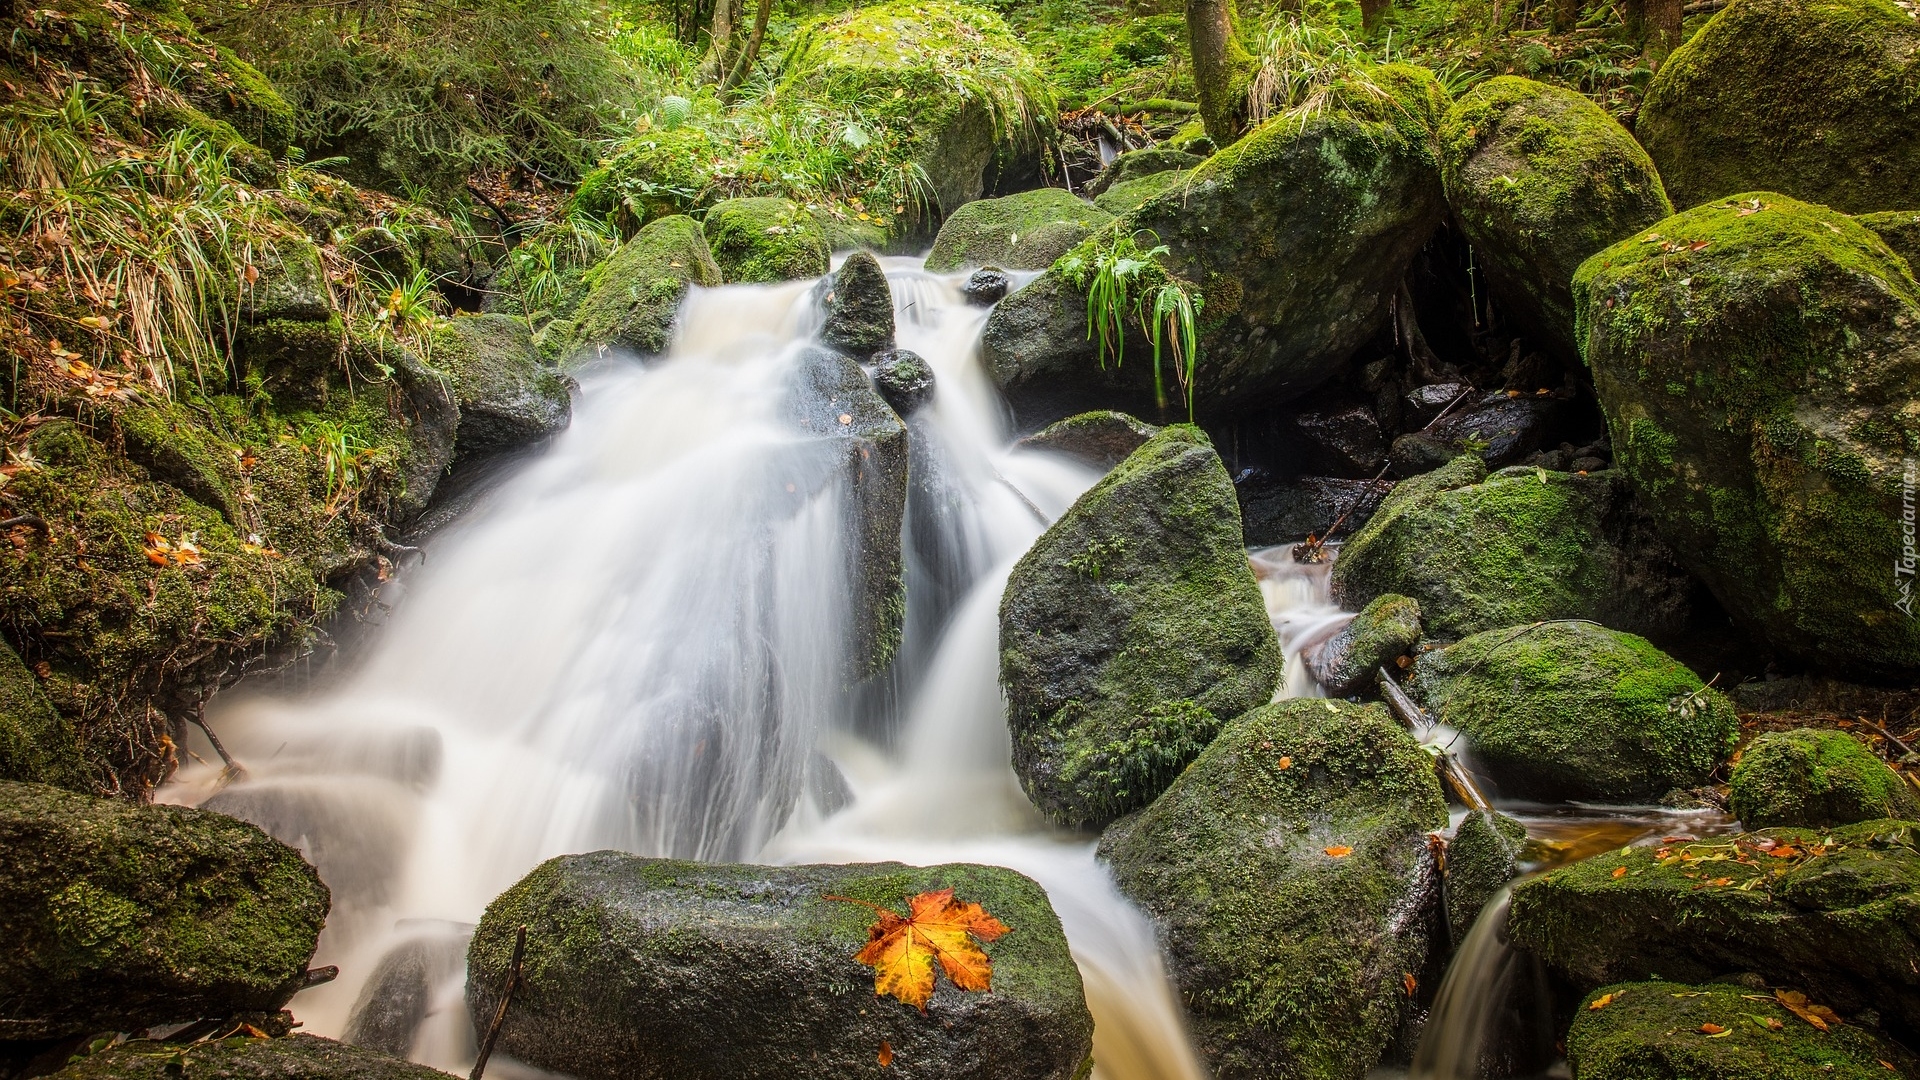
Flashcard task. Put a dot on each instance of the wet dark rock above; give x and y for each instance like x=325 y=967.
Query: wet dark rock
x=858 y=308
x=117 y=917
x=1100 y=440
x=1279 y=513
x=1834 y=921
x=1482 y=858
x=1424 y=403
x=1291 y=857
x=1130 y=631
x=1385 y=630
x=638 y=969
x=293 y=1057
x=507 y=397
x=396 y=998
x=985 y=288
x=1504 y=428
x=904 y=378
x=1815 y=779
x=1344 y=442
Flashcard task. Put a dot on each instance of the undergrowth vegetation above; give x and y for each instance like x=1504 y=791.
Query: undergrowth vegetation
x=1124 y=281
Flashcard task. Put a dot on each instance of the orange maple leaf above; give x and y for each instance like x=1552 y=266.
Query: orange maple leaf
x=902 y=951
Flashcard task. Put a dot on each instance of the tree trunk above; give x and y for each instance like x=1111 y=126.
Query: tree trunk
x=1370 y=12
x=752 y=51
x=1633 y=16
x=1663 y=28
x=1222 y=68
x=719 y=42
x=1566 y=15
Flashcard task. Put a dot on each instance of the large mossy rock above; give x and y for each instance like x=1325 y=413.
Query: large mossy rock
x=1811 y=98
x=1900 y=231
x=1539 y=178
x=766 y=239
x=1098 y=440
x=636 y=293
x=1522 y=545
x=1833 y=914
x=655 y=969
x=951 y=80
x=1573 y=711
x=1815 y=779
x=1027 y=231
x=1138 y=165
x=1659 y=1031
x=1289 y=873
x=1297 y=237
x=1758 y=361
x=507 y=397
x=37 y=744
x=833 y=398
x=293 y=1057
x=118 y=917
x=1124 y=198
x=1130 y=631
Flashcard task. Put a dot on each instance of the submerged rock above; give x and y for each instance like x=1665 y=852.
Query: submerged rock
x=654 y=968
x=507 y=397
x=396 y=999
x=1480 y=552
x=637 y=294
x=905 y=379
x=1099 y=440
x=1130 y=631
x=1289 y=873
x=1815 y=779
x=1659 y=1031
x=37 y=744
x=1297 y=236
x=1027 y=231
x=986 y=287
x=118 y=917
x=1758 y=360
x=1346 y=663
x=1539 y=178
x=1828 y=913
x=857 y=306
x=292 y=1057
x=1574 y=711
x=764 y=240
x=1813 y=100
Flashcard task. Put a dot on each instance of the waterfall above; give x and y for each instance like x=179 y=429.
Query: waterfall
x=636 y=641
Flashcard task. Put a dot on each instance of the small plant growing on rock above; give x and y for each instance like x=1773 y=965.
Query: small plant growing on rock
x=1123 y=279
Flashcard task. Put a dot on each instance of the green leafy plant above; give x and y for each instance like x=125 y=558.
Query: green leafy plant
x=1124 y=280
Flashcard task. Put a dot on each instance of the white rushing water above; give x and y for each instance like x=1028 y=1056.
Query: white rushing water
x=636 y=642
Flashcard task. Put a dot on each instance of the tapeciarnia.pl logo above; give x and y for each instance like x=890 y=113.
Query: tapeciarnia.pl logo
x=1904 y=566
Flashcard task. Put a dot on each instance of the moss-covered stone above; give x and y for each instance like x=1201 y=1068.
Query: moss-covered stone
x=118 y=917
x=1130 y=195
x=294 y=1057
x=1099 y=440
x=657 y=968
x=1659 y=1031
x=1130 y=631
x=1140 y=164
x=1027 y=231
x=1523 y=545
x=634 y=296
x=1482 y=859
x=507 y=397
x=856 y=306
x=1834 y=914
x=1899 y=230
x=1539 y=178
x=766 y=239
x=1815 y=99
x=1290 y=876
x=237 y=94
x=1296 y=237
x=37 y=744
x=1572 y=710
x=1387 y=628
x=662 y=173
x=1815 y=779
x=1758 y=361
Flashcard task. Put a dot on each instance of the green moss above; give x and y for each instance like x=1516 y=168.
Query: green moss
x=243 y=1058
x=1130 y=631
x=659 y=174
x=1815 y=779
x=37 y=744
x=1899 y=230
x=1482 y=858
x=633 y=297
x=1816 y=99
x=1290 y=958
x=1129 y=195
x=1027 y=231
x=1775 y=476
x=763 y=240
x=1571 y=710
x=241 y=96
x=1540 y=178
x=1385 y=630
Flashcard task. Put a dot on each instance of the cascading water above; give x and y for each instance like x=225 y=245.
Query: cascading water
x=637 y=642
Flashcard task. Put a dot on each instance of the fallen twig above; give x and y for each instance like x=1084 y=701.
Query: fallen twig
x=507 y=986
x=1416 y=720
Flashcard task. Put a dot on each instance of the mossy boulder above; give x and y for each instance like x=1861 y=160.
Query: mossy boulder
x=1027 y=231
x=508 y=398
x=1815 y=779
x=293 y=1057
x=634 y=296
x=1834 y=914
x=655 y=968
x=1758 y=361
x=1140 y=164
x=1130 y=195
x=1899 y=230
x=1659 y=1031
x=1479 y=552
x=662 y=173
x=1539 y=178
x=1482 y=858
x=953 y=83
x=904 y=379
x=119 y=917
x=856 y=308
x=1130 y=631
x=1296 y=237
x=766 y=239
x=1289 y=874
x=1574 y=711
x=37 y=744
x=1387 y=628
x=1810 y=98
x=1099 y=440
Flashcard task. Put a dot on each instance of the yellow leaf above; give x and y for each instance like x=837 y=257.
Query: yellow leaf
x=1602 y=1001
x=902 y=951
x=1286 y=763
x=1338 y=851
